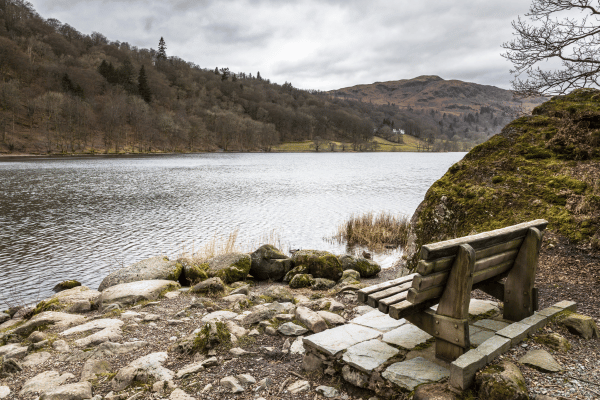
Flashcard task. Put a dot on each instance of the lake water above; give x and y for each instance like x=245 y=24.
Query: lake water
x=80 y=218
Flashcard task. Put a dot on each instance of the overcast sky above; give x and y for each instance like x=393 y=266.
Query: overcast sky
x=314 y=44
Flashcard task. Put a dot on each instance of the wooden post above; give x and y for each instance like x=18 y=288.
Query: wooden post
x=454 y=303
x=519 y=301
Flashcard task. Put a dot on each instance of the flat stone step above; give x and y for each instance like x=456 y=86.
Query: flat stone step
x=337 y=339
x=410 y=374
x=377 y=320
x=367 y=356
x=407 y=336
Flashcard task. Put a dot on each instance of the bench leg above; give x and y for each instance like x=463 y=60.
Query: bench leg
x=519 y=297
x=454 y=303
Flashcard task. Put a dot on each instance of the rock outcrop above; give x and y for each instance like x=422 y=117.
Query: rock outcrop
x=155 y=268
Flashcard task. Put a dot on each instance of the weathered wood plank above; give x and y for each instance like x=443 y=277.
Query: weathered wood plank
x=496 y=270
x=480 y=241
x=455 y=304
x=364 y=293
x=406 y=308
x=519 y=300
x=445 y=263
x=384 y=304
x=373 y=299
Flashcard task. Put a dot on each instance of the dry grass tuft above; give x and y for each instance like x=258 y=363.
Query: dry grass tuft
x=376 y=232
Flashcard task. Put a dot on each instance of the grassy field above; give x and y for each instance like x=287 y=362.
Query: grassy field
x=410 y=144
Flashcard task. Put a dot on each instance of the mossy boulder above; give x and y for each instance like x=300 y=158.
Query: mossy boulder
x=155 y=268
x=503 y=381
x=297 y=270
x=66 y=285
x=211 y=285
x=540 y=166
x=581 y=325
x=279 y=294
x=322 y=284
x=192 y=271
x=230 y=267
x=320 y=264
x=269 y=263
x=301 y=281
x=366 y=268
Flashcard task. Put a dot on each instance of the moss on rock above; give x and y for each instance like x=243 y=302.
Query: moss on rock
x=540 y=166
x=65 y=285
x=230 y=267
x=301 y=281
x=320 y=264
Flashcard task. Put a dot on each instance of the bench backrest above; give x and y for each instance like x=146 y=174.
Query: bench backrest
x=495 y=254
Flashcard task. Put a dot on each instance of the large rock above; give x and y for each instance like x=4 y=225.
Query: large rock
x=77 y=294
x=44 y=382
x=269 y=263
x=129 y=293
x=366 y=268
x=60 y=319
x=211 y=285
x=320 y=264
x=230 y=267
x=311 y=319
x=581 y=325
x=299 y=281
x=108 y=349
x=155 y=268
x=192 y=272
x=144 y=369
x=280 y=294
x=503 y=381
x=74 y=391
x=541 y=360
x=93 y=367
x=110 y=331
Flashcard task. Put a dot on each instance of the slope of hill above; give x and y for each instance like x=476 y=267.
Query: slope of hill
x=459 y=110
x=541 y=166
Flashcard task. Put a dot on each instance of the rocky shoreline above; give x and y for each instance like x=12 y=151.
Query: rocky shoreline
x=146 y=337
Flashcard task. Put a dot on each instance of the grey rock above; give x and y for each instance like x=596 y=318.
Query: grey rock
x=246 y=379
x=299 y=281
x=434 y=391
x=129 y=293
x=59 y=319
x=10 y=366
x=355 y=377
x=219 y=316
x=210 y=362
x=13 y=350
x=235 y=329
x=362 y=310
x=61 y=346
x=230 y=267
x=320 y=264
x=234 y=298
x=161 y=387
x=366 y=268
x=232 y=384
x=37 y=336
x=555 y=341
x=189 y=370
x=280 y=294
x=291 y=329
x=244 y=289
x=327 y=391
x=110 y=332
x=284 y=317
x=409 y=374
x=297 y=347
x=155 y=268
x=478 y=307
x=407 y=336
x=310 y=319
x=264 y=384
x=269 y=263
x=298 y=387
x=108 y=349
x=337 y=339
x=366 y=356
x=503 y=381
x=3 y=318
x=581 y=325
x=142 y=369
x=93 y=367
x=269 y=330
x=34 y=359
x=211 y=285
x=45 y=381
x=312 y=362
x=331 y=318
x=73 y=391
x=541 y=360
x=179 y=394
x=37 y=346
x=321 y=284
x=23 y=312
x=80 y=307
x=4 y=392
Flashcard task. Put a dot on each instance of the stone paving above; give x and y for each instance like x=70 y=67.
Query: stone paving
x=404 y=354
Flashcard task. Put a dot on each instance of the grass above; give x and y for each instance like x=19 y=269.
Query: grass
x=411 y=143
x=375 y=232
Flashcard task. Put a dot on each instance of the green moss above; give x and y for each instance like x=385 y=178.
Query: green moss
x=50 y=305
x=236 y=271
x=207 y=339
x=301 y=281
x=174 y=275
x=68 y=285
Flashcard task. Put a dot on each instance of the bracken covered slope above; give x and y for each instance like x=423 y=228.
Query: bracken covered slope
x=546 y=165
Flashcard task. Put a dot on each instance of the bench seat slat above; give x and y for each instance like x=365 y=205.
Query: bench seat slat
x=384 y=304
x=480 y=241
x=364 y=293
x=373 y=299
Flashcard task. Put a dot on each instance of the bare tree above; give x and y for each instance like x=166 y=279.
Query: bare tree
x=554 y=34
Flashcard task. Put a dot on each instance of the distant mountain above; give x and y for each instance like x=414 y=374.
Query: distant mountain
x=462 y=109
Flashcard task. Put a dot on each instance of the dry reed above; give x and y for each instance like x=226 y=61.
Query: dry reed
x=375 y=232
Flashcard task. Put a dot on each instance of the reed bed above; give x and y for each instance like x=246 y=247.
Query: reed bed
x=376 y=232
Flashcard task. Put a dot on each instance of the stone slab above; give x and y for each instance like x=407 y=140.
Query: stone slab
x=377 y=320
x=478 y=307
x=536 y=321
x=478 y=338
x=463 y=369
x=566 y=305
x=493 y=347
x=410 y=374
x=515 y=332
x=407 y=336
x=367 y=356
x=550 y=311
x=332 y=341
x=219 y=316
x=132 y=292
x=491 y=324
x=541 y=360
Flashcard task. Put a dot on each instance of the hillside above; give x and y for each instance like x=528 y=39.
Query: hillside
x=459 y=110
x=541 y=166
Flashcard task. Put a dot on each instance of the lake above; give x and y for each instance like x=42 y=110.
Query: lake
x=80 y=218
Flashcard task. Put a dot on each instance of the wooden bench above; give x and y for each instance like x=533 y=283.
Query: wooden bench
x=449 y=270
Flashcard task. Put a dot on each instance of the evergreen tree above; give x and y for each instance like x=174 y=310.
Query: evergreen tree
x=217 y=71
x=143 y=86
x=258 y=76
x=162 y=50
